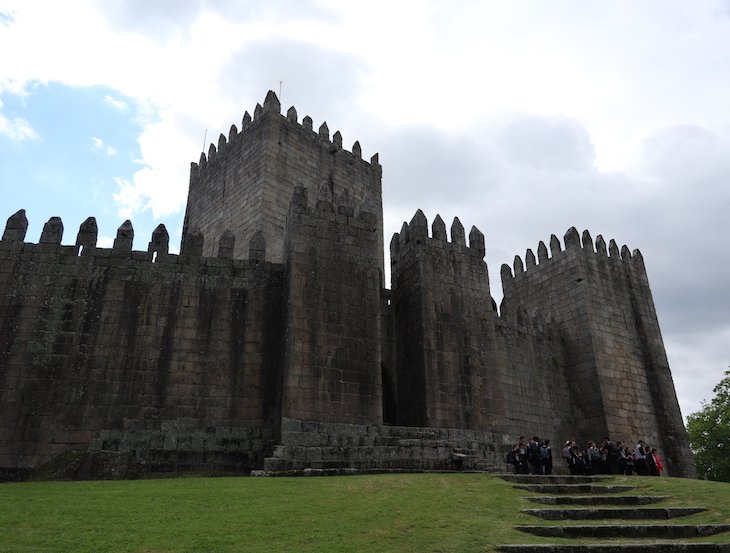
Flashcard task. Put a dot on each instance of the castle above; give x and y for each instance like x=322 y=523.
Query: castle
x=271 y=342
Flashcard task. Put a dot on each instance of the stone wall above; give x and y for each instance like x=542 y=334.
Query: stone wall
x=460 y=365
x=275 y=312
x=245 y=184
x=320 y=445
x=333 y=369
x=110 y=340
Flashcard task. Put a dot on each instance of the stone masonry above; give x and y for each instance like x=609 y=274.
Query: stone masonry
x=271 y=341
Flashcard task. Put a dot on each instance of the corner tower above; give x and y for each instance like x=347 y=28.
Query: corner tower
x=245 y=184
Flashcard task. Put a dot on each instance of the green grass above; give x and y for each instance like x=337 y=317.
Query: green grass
x=417 y=512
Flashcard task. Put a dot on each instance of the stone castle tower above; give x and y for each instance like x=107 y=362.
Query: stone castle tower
x=272 y=342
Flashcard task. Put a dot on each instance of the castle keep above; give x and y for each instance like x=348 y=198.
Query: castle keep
x=271 y=341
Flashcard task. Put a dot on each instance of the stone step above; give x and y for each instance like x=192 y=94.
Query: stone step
x=598 y=499
x=657 y=531
x=640 y=513
x=552 y=479
x=620 y=548
x=574 y=488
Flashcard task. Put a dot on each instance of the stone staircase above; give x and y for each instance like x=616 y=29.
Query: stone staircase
x=311 y=447
x=574 y=499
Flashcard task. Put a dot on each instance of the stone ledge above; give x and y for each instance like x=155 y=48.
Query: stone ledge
x=598 y=499
x=620 y=548
x=658 y=531
x=609 y=514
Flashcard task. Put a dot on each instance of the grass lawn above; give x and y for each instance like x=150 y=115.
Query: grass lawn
x=413 y=512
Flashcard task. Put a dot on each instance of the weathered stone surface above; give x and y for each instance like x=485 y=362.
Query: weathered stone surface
x=276 y=311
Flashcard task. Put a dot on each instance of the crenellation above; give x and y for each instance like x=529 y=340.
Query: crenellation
x=271 y=103
x=125 y=237
x=307 y=123
x=542 y=253
x=291 y=114
x=192 y=246
x=221 y=141
x=587 y=241
x=258 y=112
x=555 y=248
x=418 y=228
x=232 y=133
x=438 y=229
x=246 y=121
x=16 y=226
x=601 y=246
x=257 y=247
x=226 y=245
x=324 y=132
x=86 y=237
x=625 y=253
x=613 y=250
x=572 y=239
x=357 y=150
x=52 y=231
x=337 y=139
x=457 y=233
x=529 y=260
x=160 y=243
x=518 y=267
x=476 y=243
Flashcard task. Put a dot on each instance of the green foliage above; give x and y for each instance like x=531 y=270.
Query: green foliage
x=709 y=434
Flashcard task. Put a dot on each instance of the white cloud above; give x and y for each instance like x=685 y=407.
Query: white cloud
x=17 y=128
x=99 y=145
x=116 y=103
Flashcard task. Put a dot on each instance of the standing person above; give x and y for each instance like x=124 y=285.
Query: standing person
x=577 y=457
x=546 y=457
x=595 y=461
x=533 y=452
x=613 y=462
x=630 y=456
x=522 y=466
x=650 y=462
x=657 y=461
x=568 y=458
x=642 y=469
x=512 y=458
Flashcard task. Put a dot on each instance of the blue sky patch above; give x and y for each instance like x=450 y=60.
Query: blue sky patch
x=86 y=137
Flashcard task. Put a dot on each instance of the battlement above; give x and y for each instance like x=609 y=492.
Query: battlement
x=273 y=106
x=363 y=217
x=416 y=232
x=157 y=249
x=574 y=242
x=244 y=184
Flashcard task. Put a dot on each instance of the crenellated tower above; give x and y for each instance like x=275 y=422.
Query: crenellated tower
x=244 y=184
x=332 y=358
x=619 y=376
x=441 y=302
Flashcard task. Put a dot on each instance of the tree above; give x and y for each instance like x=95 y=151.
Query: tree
x=709 y=434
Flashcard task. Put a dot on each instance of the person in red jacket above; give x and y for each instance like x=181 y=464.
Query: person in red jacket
x=657 y=461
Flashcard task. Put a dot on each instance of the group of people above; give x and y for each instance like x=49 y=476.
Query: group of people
x=535 y=457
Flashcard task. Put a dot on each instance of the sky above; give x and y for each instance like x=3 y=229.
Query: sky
x=522 y=118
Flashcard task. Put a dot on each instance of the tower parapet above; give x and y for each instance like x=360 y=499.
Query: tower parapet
x=244 y=183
